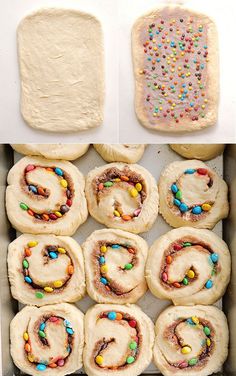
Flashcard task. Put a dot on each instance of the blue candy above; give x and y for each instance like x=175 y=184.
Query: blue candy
x=214 y=257
x=28 y=280
x=115 y=246
x=102 y=260
x=190 y=171
x=111 y=315
x=103 y=280
x=42 y=326
x=209 y=284
x=41 y=367
x=177 y=202
x=197 y=210
x=58 y=171
x=33 y=189
x=190 y=322
x=174 y=188
x=70 y=331
x=53 y=255
x=183 y=207
x=67 y=323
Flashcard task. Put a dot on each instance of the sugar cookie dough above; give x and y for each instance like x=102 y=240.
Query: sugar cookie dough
x=198 y=151
x=114 y=265
x=61 y=70
x=45 y=196
x=122 y=196
x=188 y=266
x=67 y=152
x=46 y=269
x=118 y=340
x=191 y=341
x=127 y=153
x=48 y=339
x=176 y=69
x=192 y=194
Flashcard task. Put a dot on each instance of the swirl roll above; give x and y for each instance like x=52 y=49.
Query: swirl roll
x=122 y=196
x=45 y=196
x=192 y=194
x=198 y=151
x=191 y=341
x=114 y=265
x=48 y=340
x=67 y=152
x=46 y=269
x=127 y=153
x=118 y=340
x=188 y=266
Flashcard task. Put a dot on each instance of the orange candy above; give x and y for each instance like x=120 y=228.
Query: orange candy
x=177 y=285
x=70 y=269
x=124 y=178
x=27 y=347
x=45 y=217
x=52 y=365
x=100 y=186
x=169 y=259
x=27 y=252
x=126 y=217
x=30 y=212
x=41 y=191
x=119 y=316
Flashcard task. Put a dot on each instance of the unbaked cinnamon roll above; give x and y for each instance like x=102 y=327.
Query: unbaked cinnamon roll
x=127 y=153
x=67 y=152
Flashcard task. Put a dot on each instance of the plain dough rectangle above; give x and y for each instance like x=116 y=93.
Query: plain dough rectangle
x=62 y=70
x=212 y=72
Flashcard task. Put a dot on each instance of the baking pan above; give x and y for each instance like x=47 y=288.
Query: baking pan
x=155 y=158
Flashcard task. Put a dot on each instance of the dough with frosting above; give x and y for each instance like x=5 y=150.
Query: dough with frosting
x=68 y=152
x=188 y=266
x=122 y=196
x=45 y=196
x=48 y=340
x=198 y=151
x=191 y=341
x=127 y=153
x=118 y=340
x=61 y=70
x=176 y=79
x=114 y=265
x=46 y=269
x=192 y=194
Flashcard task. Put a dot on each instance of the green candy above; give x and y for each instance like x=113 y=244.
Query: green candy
x=23 y=206
x=178 y=195
x=207 y=330
x=187 y=244
x=42 y=334
x=128 y=266
x=39 y=295
x=133 y=345
x=192 y=362
x=130 y=359
x=185 y=281
x=108 y=184
x=25 y=264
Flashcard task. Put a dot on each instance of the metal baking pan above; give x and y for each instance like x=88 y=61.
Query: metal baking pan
x=155 y=158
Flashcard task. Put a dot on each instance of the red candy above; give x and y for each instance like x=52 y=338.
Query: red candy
x=164 y=277
x=52 y=216
x=177 y=247
x=29 y=168
x=202 y=171
x=69 y=202
x=132 y=323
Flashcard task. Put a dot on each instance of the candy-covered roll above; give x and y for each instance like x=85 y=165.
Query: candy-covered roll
x=46 y=269
x=114 y=265
x=188 y=266
x=191 y=341
x=122 y=196
x=48 y=339
x=192 y=194
x=198 y=151
x=45 y=196
x=128 y=153
x=68 y=152
x=118 y=340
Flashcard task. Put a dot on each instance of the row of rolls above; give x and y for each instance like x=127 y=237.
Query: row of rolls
x=48 y=199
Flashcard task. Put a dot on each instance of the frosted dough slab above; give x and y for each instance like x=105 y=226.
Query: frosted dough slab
x=61 y=69
x=175 y=58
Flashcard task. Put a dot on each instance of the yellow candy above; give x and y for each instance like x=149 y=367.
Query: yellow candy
x=99 y=359
x=134 y=192
x=26 y=336
x=139 y=187
x=31 y=358
x=104 y=268
x=33 y=243
x=61 y=250
x=58 y=214
x=48 y=289
x=117 y=180
x=206 y=207
x=208 y=342
x=63 y=183
x=116 y=213
x=190 y=274
x=57 y=284
x=103 y=248
x=195 y=319
x=186 y=350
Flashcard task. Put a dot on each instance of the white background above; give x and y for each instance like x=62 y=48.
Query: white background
x=223 y=12
x=12 y=126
